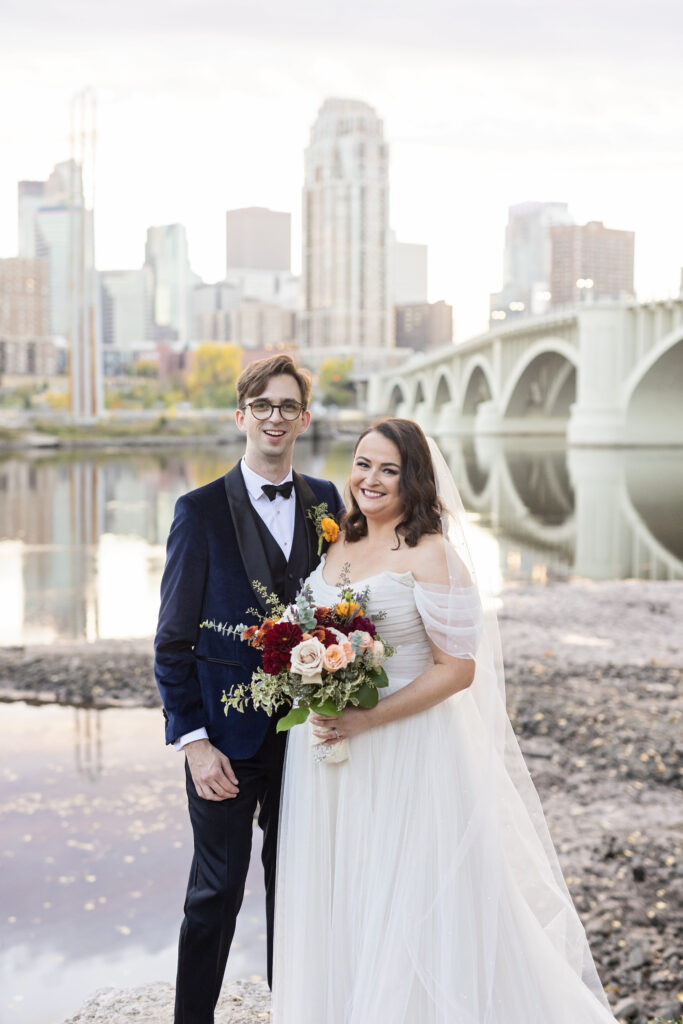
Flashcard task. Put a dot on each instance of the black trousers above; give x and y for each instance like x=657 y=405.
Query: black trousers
x=222 y=848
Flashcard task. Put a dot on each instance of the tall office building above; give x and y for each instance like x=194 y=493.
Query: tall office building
x=258 y=263
x=166 y=254
x=591 y=262
x=346 y=302
x=527 y=260
x=55 y=226
x=126 y=315
x=408 y=272
x=258 y=239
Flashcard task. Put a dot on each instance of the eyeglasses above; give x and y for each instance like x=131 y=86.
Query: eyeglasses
x=262 y=408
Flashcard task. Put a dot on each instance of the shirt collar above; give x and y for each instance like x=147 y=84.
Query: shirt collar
x=254 y=481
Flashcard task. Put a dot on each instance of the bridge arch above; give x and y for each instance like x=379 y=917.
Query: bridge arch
x=443 y=393
x=421 y=392
x=542 y=381
x=398 y=399
x=651 y=394
x=477 y=386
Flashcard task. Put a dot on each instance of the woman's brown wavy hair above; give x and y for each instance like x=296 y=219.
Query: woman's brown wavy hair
x=416 y=486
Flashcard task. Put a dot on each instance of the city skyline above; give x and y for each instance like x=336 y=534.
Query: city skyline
x=484 y=106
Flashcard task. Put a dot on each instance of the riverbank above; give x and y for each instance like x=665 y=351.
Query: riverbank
x=158 y=431
x=594 y=693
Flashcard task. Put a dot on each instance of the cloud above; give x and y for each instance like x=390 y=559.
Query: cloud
x=511 y=29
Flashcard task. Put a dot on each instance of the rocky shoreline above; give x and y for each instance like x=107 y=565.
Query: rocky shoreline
x=594 y=693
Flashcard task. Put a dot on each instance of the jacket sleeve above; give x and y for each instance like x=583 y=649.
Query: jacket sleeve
x=182 y=596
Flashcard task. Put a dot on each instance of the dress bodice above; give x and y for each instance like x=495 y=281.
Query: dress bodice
x=393 y=608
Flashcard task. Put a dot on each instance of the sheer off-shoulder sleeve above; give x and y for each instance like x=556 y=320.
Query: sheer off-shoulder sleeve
x=452 y=617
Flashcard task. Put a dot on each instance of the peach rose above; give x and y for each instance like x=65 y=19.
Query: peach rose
x=377 y=653
x=364 y=639
x=335 y=658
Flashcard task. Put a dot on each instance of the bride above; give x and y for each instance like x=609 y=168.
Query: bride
x=417 y=882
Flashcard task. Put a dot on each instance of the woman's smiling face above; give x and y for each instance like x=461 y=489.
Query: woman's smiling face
x=375 y=477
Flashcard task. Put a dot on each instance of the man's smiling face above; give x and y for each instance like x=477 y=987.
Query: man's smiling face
x=270 y=442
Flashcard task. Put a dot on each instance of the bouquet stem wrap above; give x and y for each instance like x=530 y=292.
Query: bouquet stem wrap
x=330 y=753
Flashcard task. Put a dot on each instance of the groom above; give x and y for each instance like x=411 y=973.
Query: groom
x=250 y=525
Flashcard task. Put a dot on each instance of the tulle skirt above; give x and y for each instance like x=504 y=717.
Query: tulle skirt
x=413 y=888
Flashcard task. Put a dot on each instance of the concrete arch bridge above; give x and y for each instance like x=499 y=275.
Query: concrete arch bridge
x=599 y=374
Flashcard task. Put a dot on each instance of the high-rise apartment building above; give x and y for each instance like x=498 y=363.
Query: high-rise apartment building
x=258 y=239
x=591 y=262
x=25 y=343
x=423 y=326
x=166 y=254
x=345 y=295
x=527 y=260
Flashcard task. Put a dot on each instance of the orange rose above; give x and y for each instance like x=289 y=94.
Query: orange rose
x=329 y=528
x=334 y=658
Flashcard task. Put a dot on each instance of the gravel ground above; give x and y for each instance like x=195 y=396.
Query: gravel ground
x=594 y=693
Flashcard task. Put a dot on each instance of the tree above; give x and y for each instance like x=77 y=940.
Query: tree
x=335 y=384
x=214 y=368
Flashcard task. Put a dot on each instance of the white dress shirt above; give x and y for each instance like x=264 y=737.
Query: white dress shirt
x=278 y=516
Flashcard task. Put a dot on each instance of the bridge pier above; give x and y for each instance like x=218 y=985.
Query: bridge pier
x=602 y=538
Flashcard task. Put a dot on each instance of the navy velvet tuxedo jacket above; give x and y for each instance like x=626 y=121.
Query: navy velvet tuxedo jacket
x=214 y=552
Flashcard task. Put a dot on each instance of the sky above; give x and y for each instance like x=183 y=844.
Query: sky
x=207 y=106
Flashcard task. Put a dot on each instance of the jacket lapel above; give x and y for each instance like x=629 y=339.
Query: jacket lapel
x=249 y=542
x=306 y=499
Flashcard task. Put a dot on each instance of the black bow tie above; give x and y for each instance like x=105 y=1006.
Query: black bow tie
x=270 y=490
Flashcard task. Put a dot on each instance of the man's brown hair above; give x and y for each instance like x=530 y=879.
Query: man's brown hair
x=254 y=378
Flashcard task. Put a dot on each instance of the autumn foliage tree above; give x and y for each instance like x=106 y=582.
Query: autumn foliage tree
x=213 y=372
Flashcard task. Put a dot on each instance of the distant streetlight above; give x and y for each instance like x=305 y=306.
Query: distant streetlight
x=584 y=284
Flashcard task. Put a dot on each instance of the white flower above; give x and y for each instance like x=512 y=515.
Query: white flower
x=307 y=660
x=291 y=614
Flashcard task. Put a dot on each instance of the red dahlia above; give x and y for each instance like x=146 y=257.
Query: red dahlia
x=278 y=644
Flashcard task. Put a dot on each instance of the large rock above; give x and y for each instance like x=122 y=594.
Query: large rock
x=245 y=1002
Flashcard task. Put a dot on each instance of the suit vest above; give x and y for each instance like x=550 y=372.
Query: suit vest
x=287 y=573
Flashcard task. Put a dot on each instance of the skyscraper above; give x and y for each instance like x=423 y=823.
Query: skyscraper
x=126 y=314
x=346 y=305
x=167 y=256
x=591 y=262
x=526 y=263
x=408 y=272
x=53 y=223
x=257 y=239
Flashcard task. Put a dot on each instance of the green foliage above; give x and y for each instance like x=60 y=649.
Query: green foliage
x=297 y=716
x=335 y=384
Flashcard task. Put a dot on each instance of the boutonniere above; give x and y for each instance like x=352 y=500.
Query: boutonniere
x=326 y=527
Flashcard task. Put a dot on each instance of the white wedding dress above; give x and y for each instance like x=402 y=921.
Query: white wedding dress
x=406 y=892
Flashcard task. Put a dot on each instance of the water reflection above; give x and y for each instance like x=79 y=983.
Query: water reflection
x=594 y=513
x=95 y=851
x=82 y=537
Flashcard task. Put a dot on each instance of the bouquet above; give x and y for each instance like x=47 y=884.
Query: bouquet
x=314 y=659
